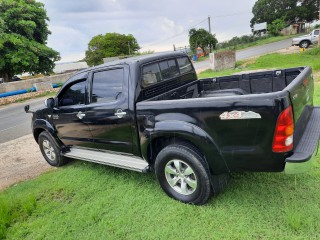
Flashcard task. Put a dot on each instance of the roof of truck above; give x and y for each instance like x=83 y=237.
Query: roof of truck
x=141 y=58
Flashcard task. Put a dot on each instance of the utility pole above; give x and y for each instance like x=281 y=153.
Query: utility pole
x=319 y=20
x=209 y=23
x=129 y=48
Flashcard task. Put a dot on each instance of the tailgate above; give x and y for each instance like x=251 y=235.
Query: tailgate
x=306 y=117
x=301 y=91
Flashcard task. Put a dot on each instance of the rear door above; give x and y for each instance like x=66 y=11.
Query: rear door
x=108 y=115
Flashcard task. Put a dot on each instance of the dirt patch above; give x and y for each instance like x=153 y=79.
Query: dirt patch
x=20 y=160
x=289 y=50
x=316 y=76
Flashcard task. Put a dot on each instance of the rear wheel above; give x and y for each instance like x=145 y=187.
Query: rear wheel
x=50 y=150
x=304 y=44
x=183 y=174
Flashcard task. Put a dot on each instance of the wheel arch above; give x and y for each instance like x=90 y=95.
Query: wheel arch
x=305 y=40
x=170 y=132
x=41 y=125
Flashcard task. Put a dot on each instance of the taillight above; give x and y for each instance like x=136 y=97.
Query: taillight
x=283 y=135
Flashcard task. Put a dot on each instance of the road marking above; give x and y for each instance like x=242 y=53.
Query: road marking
x=11 y=127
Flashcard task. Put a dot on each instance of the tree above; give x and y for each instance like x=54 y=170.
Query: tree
x=276 y=26
x=23 y=37
x=288 y=10
x=110 y=45
x=201 y=38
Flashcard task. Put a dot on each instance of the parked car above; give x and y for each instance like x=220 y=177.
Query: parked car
x=151 y=113
x=306 y=40
x=15 y=78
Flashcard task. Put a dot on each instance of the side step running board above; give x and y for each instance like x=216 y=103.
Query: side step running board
x=109 y=159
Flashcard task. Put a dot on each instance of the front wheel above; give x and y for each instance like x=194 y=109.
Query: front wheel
x=50 y=150
x=183 y=174
x=304 y=44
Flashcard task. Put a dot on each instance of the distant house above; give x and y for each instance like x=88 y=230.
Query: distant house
x=69 y=67
x=295 y=28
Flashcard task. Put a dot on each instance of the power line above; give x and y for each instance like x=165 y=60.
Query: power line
x=187 y=30
x=232 y=14
x=177 y=35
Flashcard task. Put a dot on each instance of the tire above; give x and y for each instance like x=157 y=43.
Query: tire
x=50 y=150
x=304 y=44
x=171 y=165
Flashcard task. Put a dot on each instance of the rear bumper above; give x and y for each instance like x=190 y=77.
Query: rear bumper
x=303 y=152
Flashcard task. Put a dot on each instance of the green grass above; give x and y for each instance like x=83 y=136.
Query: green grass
x=272 y=61
x=91 y=201
x=259 y=42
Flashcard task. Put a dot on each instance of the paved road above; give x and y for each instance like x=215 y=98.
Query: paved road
x=14 y=122
x=251 y=52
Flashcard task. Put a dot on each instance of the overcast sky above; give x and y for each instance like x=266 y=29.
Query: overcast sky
x=157 y=25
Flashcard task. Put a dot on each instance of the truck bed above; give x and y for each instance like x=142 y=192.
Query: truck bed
x=242 y=144
x=244 y=84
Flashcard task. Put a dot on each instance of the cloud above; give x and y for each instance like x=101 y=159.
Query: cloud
x=68 y=41
x=156 y=25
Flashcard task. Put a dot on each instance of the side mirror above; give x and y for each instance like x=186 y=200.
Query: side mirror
x=49 y=103
x=26 y=108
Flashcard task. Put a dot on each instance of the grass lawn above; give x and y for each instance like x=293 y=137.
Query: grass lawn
x=272 y=61
x=91 y=201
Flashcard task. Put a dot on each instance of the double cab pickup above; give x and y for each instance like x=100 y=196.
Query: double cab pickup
x=151 y=113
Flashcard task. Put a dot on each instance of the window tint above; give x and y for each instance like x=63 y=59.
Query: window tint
x=73 y=95
x=316 y=32
x=107 y=85
x=168 y=69
x=184 y=65
x=150 y=75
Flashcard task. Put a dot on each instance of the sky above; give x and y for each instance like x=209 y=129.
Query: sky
x=156 y=25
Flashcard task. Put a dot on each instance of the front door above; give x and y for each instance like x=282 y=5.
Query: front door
x=69 y=117
x=108 y=115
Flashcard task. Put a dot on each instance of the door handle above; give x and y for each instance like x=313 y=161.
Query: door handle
x=120 y=114
x=81 y=115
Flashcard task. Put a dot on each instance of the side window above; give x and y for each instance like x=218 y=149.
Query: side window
x=150 y=75
x=74 y=94
x=107 y=85
x=168 y=69
x=316 y=32
x=184 y=65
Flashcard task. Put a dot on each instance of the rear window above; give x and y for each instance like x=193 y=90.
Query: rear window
x=168 y=69
x=184 y=65
x=160 y=71
x=151 y=75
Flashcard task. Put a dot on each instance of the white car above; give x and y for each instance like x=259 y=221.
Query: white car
x=306 y=40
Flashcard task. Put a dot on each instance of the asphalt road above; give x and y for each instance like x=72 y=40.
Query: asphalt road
x=14 y=122
x=251 y=52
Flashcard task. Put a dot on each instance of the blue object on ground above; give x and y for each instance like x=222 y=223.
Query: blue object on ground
x=195 y=57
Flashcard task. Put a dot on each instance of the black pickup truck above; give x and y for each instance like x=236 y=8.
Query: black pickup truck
x=151 y=113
